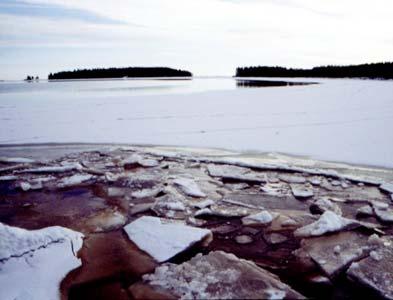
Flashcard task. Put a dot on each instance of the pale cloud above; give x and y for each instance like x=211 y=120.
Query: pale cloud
x=207 y=36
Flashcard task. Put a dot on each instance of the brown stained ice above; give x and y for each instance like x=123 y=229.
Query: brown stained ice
x=307 y=226
x=375 y=271
x=334 y=253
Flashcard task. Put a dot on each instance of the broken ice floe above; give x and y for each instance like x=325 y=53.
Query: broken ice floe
x=203 y=203
x=301 y=191
x=106 y=220
x=74 y=180
x=218 y=275
x=328 y=222
x=261 y=218
x=54 y=169
x=236 y=173
x=375 y=271
x=169 y=206
x=17 y=160
x=27 y=256
x=291 y=178
x=323 y=204
x=189 y=187
x=162 y=240
x=138 y=160
x=387 y=187
x=336 y=252
x=8 y=178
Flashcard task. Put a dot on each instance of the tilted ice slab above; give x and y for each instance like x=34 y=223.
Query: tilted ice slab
x=328 y=222
x=189 y=187
x=74 y=180
x=163 y=241
x=33 y=263
x=18 y=160
x=54 y=169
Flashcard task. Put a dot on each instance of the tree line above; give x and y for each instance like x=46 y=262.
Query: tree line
x=119 y=73
x=374 y=70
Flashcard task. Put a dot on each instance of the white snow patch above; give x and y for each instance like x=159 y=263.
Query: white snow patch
x=163 y=240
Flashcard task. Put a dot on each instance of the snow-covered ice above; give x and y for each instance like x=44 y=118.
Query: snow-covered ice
x=338 y=120
x=20 y=160
x=74 y=180
x=218 y=275
x=163 y=240
x=328 y=222
x=54 y=169
x=189 y=187
x=33 y=263
x=262 y=218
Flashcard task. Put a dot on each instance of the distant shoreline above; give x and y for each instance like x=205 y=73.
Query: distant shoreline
x=129 y=72
x=369 y=71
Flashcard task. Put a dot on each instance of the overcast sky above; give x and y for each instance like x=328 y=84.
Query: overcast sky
x=207 y=37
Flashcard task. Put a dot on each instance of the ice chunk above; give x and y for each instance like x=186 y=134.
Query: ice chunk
x=17 y=160
x=203 y=204
x=301 y=191
x=323 y=204
x=236 y=173
x=387 y=187
x=189 y=187
x=54 y=169
x=144 y=193
x=375 y=272
x=385 y=215
x=106 y=220
x=136 y=159
x=74 y=180
x=33 y=263
x=218 y=275
x=262 y=218
x=292 y=178
x=365 y=210
x=328 y=222
x=334 y=253
x=8 y=178
x=164 y=240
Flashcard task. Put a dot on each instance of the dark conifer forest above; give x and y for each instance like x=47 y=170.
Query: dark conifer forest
x=375 y=71
x=131 y=72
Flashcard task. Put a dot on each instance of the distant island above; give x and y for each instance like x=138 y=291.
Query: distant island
x=31 y=78
x=131 y=72
x=376 y=70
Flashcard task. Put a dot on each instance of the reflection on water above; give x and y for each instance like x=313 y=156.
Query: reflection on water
x=268 y=83
x=71 y=89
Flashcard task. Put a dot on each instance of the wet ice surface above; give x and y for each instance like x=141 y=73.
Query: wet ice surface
x=282 y=245
x=338 y=120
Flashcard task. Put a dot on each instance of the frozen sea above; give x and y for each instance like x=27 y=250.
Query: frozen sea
x=341 y=120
